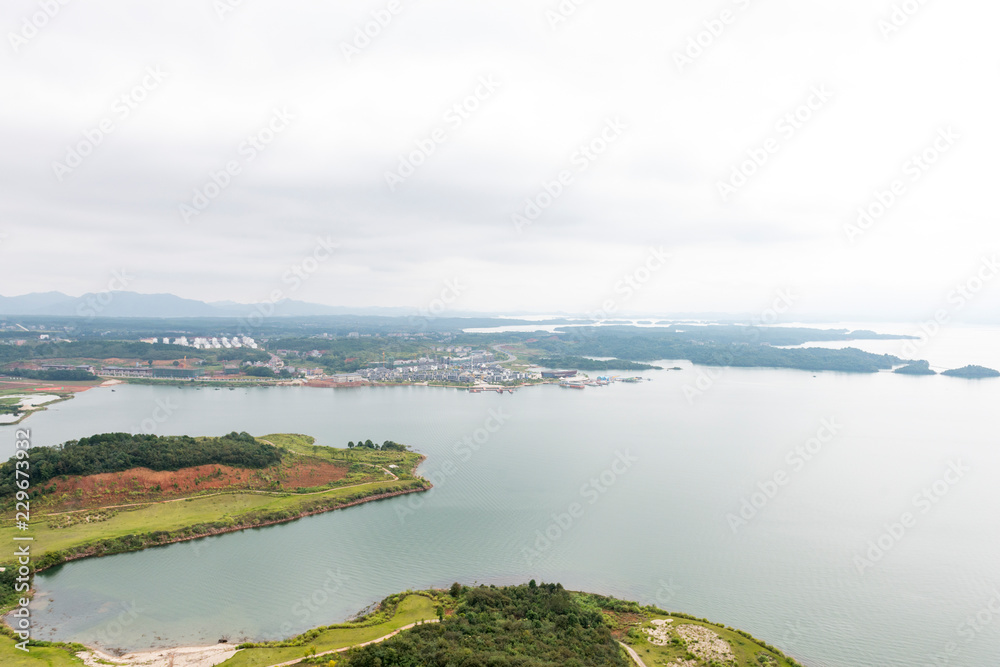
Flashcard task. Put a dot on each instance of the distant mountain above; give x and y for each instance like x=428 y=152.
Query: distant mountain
x=133 y=304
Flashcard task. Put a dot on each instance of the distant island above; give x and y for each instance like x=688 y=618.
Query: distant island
x=916 y=368
x=972 y=372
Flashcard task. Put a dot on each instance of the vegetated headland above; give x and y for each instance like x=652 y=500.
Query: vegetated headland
x=530 y=625
x=119 y=492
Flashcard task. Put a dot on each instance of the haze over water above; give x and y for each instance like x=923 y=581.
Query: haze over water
x=658 y=534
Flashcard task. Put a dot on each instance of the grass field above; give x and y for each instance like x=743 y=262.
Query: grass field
x=412 y=609
x=38 y=656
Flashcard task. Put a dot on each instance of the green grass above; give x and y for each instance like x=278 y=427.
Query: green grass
x=37 y=656
x=411 y=609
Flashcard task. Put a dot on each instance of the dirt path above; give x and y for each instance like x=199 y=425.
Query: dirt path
x=632 y=654
x=348 y=648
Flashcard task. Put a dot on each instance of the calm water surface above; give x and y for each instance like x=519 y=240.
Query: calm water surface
x=660 y=530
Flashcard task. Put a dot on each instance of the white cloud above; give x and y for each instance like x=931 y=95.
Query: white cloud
x=657 y=185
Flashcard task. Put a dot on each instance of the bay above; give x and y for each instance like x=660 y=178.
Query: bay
x=677 y=467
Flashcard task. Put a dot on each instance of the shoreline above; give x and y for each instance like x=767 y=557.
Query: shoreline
x=177 y=656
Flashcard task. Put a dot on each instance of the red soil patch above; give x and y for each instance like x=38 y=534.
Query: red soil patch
x=140 y=485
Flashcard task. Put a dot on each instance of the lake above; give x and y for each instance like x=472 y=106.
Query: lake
x=823 y=467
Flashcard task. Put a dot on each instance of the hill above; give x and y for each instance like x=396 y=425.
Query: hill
x=916 y=368
x=516 y=626
x=972 y=372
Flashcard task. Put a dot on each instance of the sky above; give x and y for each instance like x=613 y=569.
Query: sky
x=583 y=156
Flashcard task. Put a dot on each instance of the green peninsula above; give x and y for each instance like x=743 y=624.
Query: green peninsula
x=119 y=492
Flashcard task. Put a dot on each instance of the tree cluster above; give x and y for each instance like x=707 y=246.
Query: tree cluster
x=115 y=452
x=523 y=626
x=387 y=446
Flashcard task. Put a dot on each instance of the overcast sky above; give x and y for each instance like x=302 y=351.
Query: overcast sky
x=671 y=97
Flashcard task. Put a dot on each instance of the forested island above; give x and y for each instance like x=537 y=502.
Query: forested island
x=972 y=372
x=730 y=345
x=916 y=368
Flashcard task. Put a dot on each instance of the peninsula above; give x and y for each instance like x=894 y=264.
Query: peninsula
x=119 y=492
x=529 y=625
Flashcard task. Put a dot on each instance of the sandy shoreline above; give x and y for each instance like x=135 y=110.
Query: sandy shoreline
x=183 y=656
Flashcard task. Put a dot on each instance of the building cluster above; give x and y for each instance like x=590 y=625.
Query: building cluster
x=206 y=343
x=477 y=367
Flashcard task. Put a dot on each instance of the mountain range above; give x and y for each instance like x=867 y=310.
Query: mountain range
x=133 y=304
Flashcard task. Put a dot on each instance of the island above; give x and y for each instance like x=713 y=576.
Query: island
x=916 y=368
x=528 y=625
x=972 y=372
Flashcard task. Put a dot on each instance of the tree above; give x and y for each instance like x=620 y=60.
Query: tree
x=456 y=589
x=350 y=445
